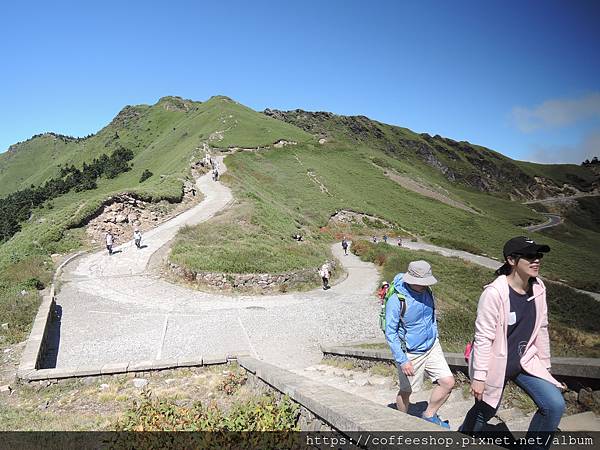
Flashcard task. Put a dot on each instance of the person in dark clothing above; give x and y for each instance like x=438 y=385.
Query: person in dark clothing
x=345 y=245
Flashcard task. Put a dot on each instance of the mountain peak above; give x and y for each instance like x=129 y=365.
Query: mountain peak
x=175 y=103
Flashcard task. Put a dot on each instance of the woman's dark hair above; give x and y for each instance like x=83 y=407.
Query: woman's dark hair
x=506 y=268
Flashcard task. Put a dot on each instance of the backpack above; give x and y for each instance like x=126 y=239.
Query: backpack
x=388 y=295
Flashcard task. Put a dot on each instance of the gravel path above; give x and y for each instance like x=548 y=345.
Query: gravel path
x=114 y=310
x=448 y=252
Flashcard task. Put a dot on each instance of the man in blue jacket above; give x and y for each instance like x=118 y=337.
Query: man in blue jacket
x=411 y=332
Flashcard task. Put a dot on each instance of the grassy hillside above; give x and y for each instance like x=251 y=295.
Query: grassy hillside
x=164 y=138
x=296 y=188
x=466 y=164
x=279 y=192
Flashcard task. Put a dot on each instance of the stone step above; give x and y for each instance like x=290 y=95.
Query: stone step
x=506 y=415
x=519 y=424
x=454 y=412
x=587 y=421
x=382 y=390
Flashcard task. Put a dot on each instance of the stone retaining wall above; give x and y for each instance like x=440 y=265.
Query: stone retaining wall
x=328 y=408
x=307 y=420
x=581 y=368
x=36 y=344
x=92 y=370
x=262 y=281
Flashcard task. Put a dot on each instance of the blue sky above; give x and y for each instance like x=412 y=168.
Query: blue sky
x=521 y=77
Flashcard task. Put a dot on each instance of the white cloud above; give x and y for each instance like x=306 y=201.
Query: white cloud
x=587 y=148
x=557 y=113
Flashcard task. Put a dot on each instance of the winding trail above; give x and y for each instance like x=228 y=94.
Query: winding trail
x=114 y=309
x=553 y=220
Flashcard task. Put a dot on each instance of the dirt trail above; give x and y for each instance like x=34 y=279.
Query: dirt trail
x=412 y=185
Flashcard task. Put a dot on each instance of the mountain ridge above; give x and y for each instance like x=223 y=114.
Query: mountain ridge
x=471 y=165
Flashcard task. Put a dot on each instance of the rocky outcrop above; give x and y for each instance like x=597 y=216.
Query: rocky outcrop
x=123 y=213
x=346 y=217
x=174 y=103
x=265 y=282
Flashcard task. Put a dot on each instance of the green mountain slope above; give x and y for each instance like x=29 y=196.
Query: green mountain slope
x=162 y=137
x=282 y=191
x=461 y=163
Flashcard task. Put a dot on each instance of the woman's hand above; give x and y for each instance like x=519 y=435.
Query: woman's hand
x=477 y=389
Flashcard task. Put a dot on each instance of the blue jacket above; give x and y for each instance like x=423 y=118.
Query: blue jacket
x=418 y=330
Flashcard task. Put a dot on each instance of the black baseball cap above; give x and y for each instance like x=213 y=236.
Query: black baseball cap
x=522 y=245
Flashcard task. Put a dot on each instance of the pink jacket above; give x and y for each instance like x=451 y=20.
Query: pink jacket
x=488 y=357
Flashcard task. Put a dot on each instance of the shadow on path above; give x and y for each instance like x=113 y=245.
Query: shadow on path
x=52 y=340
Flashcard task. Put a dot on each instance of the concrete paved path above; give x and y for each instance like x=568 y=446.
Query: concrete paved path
x=113 y=310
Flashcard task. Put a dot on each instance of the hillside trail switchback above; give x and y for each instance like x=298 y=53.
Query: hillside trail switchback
x=113 y=309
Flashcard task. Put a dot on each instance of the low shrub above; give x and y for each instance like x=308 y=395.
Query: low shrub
x=232 y=382
x=145 y=175
x=263 y=413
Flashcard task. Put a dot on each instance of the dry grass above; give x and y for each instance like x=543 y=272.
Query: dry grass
x=85 y=404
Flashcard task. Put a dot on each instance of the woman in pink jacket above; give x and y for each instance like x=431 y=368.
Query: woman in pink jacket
x=512 y=343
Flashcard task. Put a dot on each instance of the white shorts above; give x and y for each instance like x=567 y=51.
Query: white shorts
x=431 y=363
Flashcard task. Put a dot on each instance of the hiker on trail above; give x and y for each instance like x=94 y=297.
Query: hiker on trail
x=385 y=238
x=512 y=343
x=411 y=332
x=399 y=242
x=110 y=240
x=137 y=238
x=383 y=290
x=215 y=174
x=374 y=239
x=325 y=274
x=345 y=245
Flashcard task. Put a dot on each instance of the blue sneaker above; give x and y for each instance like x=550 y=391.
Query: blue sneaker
x=436 y=419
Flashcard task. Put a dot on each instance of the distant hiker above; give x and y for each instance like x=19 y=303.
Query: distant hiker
x=399 y=242
x=137 y=238
x=411 y=332
x=385 y=238
x=215 y=174
x=325 y=274
x=110 y=240
x=345 y=245
x=374 y=239
x=383 y=290
x=193 y=191
x=512 y=343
